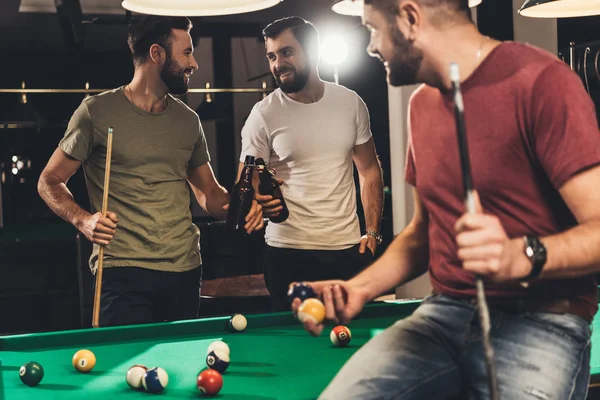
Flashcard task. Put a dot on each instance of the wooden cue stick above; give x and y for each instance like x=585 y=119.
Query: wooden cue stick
x=98 y=291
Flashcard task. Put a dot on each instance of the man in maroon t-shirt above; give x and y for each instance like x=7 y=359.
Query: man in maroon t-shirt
x=534 y=150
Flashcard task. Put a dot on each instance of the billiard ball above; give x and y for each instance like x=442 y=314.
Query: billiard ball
x=217 y=360
x=340 y=336
x=155 y=380
x=311 y=310
x=237 y=323
x=84 y=360
x=135 y=375
x=219 y=345
x=300 y=290
x=209 y=382
x=31 y=373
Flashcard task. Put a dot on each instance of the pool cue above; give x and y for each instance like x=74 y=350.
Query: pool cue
x=98 y=291
x=467 y=178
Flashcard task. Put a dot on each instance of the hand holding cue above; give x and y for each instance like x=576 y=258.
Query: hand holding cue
x=98 y=291
x=465 y=166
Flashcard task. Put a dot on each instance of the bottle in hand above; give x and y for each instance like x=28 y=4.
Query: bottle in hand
x=242 y=195
x=269 y=186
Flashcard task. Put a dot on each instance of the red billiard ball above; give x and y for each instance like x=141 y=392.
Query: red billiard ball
x=340 y=336
x=209 y=382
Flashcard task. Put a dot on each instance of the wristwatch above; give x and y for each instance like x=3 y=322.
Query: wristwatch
x=377 y=236
x=536 y=252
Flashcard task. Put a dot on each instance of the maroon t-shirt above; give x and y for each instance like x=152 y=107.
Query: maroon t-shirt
x=530 y=127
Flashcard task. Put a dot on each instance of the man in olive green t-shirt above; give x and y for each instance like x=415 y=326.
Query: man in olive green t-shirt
x=153 y=261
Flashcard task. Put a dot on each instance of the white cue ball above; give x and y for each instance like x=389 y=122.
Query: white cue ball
x=135 y=375
x=218 y=345
x=239 y=322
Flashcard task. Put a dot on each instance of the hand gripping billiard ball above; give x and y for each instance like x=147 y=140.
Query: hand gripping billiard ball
x=155 y=380
x=300 y=290
x=340 y=336
x=209 y=382
x=219 y=345
x=237 y=323
x=311 y=310
x=84 y=360
x=135 y=375
x=31 y=373
x=218 y=360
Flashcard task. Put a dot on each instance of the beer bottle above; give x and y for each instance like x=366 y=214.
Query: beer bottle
x=269 y=186
x=242 y=195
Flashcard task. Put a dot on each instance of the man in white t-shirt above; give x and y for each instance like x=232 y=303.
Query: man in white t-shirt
x=312 y=133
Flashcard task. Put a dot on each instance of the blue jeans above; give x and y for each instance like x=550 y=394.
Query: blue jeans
x=437 y=353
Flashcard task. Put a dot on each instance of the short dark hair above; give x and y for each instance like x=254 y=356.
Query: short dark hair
x=305 y=33
x=456 y=6
x=153 y=29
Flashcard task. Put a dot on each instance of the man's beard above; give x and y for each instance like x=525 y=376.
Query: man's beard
x=405 y=62
x=297 y=83
x=173 y=76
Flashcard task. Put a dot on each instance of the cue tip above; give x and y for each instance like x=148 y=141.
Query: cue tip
x=110 y=130
x=454 y=74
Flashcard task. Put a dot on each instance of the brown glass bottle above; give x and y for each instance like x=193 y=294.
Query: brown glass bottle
x=242 y=195
x=269 y=186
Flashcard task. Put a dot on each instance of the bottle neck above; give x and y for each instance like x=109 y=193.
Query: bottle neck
x=247 y=174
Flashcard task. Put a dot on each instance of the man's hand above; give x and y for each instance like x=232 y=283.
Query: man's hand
x=271 y=207
x=343 y=301
x=98 y=229
x=254 y=218
x=367 y=241
x=486 y=250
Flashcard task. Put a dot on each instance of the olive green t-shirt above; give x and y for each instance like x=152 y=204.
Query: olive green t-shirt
x=151 y=154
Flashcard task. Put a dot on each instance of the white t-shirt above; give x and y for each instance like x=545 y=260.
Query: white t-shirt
x=311 y=146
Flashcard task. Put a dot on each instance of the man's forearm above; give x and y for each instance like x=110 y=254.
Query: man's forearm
x=405 y=259
x=215 y=202
x=59 y=199
x=371 y=188
x=570 y=254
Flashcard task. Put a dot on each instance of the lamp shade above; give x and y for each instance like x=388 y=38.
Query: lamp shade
x=196 y=8
x=355 y=7
x=560 y=8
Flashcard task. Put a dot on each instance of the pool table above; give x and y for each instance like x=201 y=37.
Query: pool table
x=273 y=359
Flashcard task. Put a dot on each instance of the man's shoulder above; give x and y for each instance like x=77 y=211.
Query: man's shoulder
x=105 y=98
x=181 y=107
x=269 y=103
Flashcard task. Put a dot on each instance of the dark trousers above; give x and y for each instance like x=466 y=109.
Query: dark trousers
x=284 y=266
x=132 y=295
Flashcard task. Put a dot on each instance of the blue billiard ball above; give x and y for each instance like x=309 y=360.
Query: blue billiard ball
x=300 y=290
x=217 y=360
x=155 y=380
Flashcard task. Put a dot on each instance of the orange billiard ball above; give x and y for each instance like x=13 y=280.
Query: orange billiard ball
x=84 y=360
x=311 y=310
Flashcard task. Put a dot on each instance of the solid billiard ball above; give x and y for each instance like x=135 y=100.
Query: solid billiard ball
x=237 y=323
x=219 y=345
x=340 y=336
x=135 y=375
x=155 y=380
x=209 y=382
x=84 y=360
x=217 y=360
x=311 y=310
x=31 y=373
x=300 y=290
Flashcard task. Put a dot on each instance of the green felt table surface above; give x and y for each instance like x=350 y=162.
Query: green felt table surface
x=273 y=359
